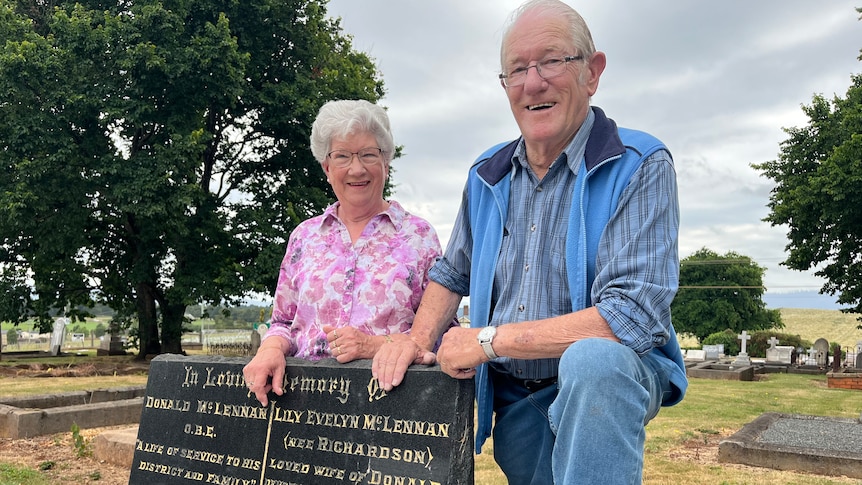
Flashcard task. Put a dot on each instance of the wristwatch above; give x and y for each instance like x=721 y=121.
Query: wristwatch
x=486 y=337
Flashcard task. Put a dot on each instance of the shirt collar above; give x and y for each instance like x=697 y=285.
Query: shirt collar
x=395 y=214
x=571 y=155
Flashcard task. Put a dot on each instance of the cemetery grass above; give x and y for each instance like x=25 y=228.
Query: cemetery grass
x=681 y=447
x=681 y=442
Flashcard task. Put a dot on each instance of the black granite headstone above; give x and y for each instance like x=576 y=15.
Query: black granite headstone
x=333 y=425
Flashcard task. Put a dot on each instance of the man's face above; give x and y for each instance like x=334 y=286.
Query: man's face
x=548 y=111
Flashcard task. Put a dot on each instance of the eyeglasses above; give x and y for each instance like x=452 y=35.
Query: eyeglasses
x=547 y=69
x=342 y=158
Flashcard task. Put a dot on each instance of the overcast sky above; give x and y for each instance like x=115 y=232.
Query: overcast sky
x=716 y=81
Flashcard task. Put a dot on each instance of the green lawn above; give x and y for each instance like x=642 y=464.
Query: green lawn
x=682 y=441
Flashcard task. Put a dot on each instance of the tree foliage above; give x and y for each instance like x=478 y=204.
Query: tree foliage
x=719 y=292
x=155 y=153
x=817 y=175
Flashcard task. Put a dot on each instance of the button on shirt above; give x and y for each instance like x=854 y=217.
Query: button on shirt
x=530 y=279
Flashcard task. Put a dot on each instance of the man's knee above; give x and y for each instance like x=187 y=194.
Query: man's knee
x=596 y=359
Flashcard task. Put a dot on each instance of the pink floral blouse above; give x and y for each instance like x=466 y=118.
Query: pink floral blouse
x=374 y=285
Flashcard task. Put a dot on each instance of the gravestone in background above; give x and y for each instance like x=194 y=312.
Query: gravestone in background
x=821 y=346
x=696 y=355
x=783 y=354
x=333 y=425
x=711 y=352
x=742 y=358
x=57 y=336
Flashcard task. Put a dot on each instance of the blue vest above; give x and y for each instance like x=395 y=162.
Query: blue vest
x=611 y=157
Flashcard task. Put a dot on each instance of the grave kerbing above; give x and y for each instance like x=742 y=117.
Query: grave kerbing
x=333 y=425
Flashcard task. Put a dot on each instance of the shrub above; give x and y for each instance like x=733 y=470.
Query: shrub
x=756 y=347
x=727 y=337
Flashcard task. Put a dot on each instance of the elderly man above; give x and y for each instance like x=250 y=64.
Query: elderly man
x=566 y=243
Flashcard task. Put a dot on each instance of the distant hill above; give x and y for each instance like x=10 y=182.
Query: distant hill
x=800 y=299
x=811 y=324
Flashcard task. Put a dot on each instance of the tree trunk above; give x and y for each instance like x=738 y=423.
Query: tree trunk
x=172 y=328
x=148 y=321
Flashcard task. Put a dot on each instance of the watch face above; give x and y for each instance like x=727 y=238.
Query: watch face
x=487 y=332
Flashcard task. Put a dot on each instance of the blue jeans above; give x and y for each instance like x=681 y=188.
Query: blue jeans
x=589 y=428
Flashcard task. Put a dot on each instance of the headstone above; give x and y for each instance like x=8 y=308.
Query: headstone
x=255 y=342
x=57 y=336
x=812 y=357
x=781 y=354
x=774 y=354
x=711 y=352
x=742 y=358
x=697 y=355
x=333 y=425
x=821 y=345
x=859 y=360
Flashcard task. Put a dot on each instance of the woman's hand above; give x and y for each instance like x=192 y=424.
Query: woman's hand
x=265 y=372
x=347 y=343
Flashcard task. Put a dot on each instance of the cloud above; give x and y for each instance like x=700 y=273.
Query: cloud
x=716 y=81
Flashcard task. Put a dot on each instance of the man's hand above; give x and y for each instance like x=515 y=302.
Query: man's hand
x=392 y=360
x=460 y=353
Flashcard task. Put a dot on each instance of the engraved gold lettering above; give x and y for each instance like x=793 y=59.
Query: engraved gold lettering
x=198 y=430
x=173 y=471
x=332 y=420
x=287 y=415
x=339 y=387
x=301 y=443
x=378 y=478
x=247 y=463
x=191 y=377
x=290 y=466
x=385 y=424
x=224 y=379
x=200 y=455
x=271 y=481
x=149 y=447
x=228 y=480
x=167 y=404
x=232 y=410
x=375 y=392
x=422 y=457
x=328 y=472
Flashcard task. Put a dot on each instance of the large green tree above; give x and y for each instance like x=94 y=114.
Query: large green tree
x=155 y=153
x=818 y=175
x=719 y=292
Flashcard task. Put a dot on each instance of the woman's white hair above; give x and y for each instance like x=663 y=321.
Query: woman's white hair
x=341 y=118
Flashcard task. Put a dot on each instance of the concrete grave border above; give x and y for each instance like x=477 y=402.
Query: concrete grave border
x=746 y=448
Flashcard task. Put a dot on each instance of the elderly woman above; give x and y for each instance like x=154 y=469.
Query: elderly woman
x=351 y=278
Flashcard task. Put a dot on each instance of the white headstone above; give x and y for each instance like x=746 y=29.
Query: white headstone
x=812 y=357
x=785 y=353
x=58 y=335
x=698 y=355
x=744 y=338
x=742 y=358
x=772 y=342
x=822 y=346
x=713 y=352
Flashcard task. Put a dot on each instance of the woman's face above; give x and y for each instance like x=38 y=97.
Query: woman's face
x=359 y=185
